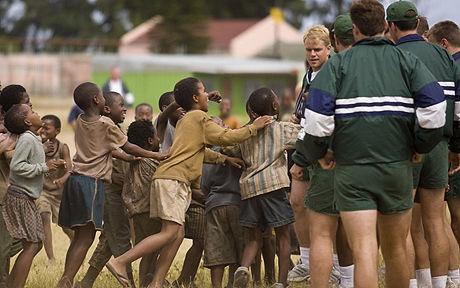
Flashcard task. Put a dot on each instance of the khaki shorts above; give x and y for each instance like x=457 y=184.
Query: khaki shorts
x=144 y=226
x=169 y=200
x=223 y=237
x=49 y=203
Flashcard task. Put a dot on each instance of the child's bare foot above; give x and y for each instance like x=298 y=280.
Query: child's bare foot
x=119 y=271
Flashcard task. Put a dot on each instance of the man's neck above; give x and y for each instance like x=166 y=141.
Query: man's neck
x=453 y=50
x=358 y=37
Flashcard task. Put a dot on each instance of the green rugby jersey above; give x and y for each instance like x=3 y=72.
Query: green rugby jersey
x=381 y=104
x=443 y=68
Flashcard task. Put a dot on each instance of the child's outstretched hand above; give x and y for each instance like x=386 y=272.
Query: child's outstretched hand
x=215 y=96
x=54 y=164
x=416 y=158
x=263 y=121
x=160 y=156
x=235 y=162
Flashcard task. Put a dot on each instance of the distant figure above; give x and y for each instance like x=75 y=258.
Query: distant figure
x=75 y=111
x=229 y=120
x=287 y=105
x=116 y=84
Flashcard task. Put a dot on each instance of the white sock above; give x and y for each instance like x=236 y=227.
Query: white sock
x=346 y=276
x=439 y=281
x=335 y=262
x=413 y=283
x=305 y=256
x=454 y=275
x=423 y=277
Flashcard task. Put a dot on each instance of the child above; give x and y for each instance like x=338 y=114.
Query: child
x=166 y=122
x=174 y=177
x=116 y=236
x=263 y=185
x=223 y=234
x=26 y=183
x=81 y=207
x=144 y=111
x=225 y=108
x=9 y=96
x=49 y=200
x=136 y=194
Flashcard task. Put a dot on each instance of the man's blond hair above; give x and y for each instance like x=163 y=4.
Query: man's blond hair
x=317 y=32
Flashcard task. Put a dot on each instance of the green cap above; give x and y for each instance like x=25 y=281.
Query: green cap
x=343 y=27
x=400 y=11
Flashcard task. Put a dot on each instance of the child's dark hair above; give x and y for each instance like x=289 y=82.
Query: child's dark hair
x=143 y=104
x=184 y=91
x=53 y=118
x=110 y=97
x=165 y=99
x=84 y=93
x=261 y=101
x=139 y=133
x=15 y=117
x=11 y=95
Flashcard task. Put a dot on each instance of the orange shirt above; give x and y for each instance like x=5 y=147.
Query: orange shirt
x=232 y=122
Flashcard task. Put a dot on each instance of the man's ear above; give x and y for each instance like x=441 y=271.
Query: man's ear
x=444 y=43
x=27 y=122
x=106 y=110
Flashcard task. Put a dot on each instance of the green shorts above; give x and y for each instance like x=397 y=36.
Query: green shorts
x=431 y=173
x=385 y=187
x=454 y=187
x=320 y=196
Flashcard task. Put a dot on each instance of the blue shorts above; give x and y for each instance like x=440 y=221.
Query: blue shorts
x=82 y=202
x=264 y=211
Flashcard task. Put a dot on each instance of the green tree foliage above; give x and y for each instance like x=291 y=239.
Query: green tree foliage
x=56 y=25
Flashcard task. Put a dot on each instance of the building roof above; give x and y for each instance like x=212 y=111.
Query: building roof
x=222 y=32
x=210 y=64
x=140 y=30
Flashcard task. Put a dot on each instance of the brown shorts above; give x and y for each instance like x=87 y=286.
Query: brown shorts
x=49 y=203
x=223 y=236
x=169 y=200
x=194 y=223
x=144 y=226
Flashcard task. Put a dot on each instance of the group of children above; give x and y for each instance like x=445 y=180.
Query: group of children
x=374 y=126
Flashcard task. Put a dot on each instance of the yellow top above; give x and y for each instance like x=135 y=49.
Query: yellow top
x=193 y=133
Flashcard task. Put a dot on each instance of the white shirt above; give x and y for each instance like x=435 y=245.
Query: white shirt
x=116 y=86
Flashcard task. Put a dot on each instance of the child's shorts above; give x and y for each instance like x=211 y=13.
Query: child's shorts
x=82 y=202
x=21 y=216
x=194 y=223
x=169 y=200
x=223 y=240
x=144 y=226
x=269 y=210
x=48 y=202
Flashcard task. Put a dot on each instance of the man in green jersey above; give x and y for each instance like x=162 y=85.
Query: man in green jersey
x=431 y=175
x=447 y=35
x=382 y=105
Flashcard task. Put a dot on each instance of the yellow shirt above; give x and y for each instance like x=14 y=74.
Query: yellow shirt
x=193 y=133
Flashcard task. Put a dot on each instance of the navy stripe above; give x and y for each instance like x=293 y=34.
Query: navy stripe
x=457 y=90
x=374 y=105
x=321 y=102
x=451 y=97
x=456 y=56
x=448 y=88
x=430 y=94
x=381 y=113
x=410 y=38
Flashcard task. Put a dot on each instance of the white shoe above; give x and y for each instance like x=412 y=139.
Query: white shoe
x=451 y=284
x=300 y=273
x=334 y=278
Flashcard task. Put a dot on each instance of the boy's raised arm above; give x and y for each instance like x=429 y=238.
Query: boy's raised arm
x=139 y=152
x=162 y=119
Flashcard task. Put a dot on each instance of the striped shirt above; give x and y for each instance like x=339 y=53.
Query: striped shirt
x=265 y=158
